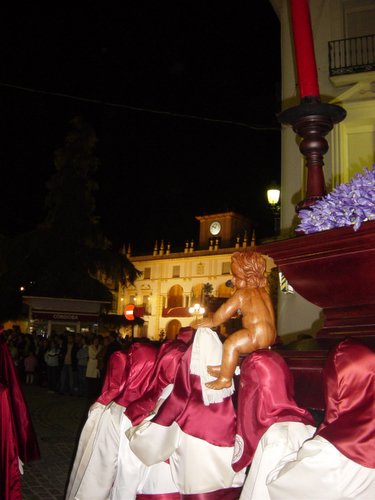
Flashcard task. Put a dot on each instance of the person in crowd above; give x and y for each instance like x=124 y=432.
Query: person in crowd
x=66 y=374
x=133 y=478
x=76 y=347
x=24 y=344
x=252 y=301
x=41 y=369
x=92 y=371
x=13 y=349
x=100 y=358
x=28 y=447
x=95 y=463
x=82 y=360
x=137 y=381
x=30 y=363
x=11 y=467
x=163 y=375
x=51 y=357
x=194 y=429
x=270 y=424
x=339 y=461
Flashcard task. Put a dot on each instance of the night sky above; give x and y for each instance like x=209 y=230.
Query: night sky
x=183 y=97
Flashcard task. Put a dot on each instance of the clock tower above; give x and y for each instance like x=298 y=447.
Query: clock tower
x=224 y=227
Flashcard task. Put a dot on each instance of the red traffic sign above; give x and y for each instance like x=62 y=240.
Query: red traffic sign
x=129 y=312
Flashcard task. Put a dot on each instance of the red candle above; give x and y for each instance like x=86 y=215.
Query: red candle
x=304 y=48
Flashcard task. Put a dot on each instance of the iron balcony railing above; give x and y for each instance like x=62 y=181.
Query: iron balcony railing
x=352 y=55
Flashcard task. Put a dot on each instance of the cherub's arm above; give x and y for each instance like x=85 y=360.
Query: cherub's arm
x=228 y=309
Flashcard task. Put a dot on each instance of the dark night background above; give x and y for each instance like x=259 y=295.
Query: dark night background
x=183 y=98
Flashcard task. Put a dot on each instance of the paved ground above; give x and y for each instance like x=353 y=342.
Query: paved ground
x=58 y=421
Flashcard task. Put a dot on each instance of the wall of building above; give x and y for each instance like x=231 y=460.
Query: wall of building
x=196 y=268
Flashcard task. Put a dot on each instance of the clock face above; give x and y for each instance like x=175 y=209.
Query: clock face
x=215 y=227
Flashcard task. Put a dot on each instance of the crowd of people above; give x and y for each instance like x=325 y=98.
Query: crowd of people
x=65 y=363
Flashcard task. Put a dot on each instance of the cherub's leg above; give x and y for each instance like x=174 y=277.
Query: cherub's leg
x=234 y=345
x=214 y=371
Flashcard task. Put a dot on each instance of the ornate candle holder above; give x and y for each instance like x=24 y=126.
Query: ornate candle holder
x=312 y=120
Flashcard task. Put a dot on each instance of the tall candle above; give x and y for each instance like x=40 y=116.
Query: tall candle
x=304 y=48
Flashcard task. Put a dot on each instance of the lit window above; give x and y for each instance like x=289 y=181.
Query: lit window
x=176 y=272
x=147 y=273
x=225 y=268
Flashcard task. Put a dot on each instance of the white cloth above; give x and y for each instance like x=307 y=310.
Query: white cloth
x=196 y=465
x=281 y=439
x=321 y=472
x=207 y=351
x=84 y=450
x=134 y=477
x=105 y=467
x=158 y=479
x=97 y=479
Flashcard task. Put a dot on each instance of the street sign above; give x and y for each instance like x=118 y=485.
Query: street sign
x=129 y=312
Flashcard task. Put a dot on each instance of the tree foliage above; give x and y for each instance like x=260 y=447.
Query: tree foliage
x=65 y=254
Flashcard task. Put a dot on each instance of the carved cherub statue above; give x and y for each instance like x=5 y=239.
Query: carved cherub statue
x=251 y=298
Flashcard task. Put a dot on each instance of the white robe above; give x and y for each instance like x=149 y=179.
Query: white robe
x=133 y=476
x=84 y=450
x=281 y=439
x=196 y=465
x=106 y=468
x=321 y=472
x=97 y=479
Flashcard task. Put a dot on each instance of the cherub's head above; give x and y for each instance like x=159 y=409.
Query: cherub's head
x=248 y=270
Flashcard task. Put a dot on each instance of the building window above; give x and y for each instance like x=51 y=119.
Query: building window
x=176 y=272
x=225 y=268
x=200 y=269
x=147 y=273
x=146 y=304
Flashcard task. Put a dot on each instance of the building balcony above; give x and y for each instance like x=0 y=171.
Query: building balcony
x=352 y=55
x=176 y=312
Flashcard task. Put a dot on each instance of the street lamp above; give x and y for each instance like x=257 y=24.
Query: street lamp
x=273 y=197
x=196 y=309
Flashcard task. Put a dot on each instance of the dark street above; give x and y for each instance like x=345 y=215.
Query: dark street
x=57 y=421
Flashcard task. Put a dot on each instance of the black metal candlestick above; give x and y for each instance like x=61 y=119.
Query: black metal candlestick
x=312 y=120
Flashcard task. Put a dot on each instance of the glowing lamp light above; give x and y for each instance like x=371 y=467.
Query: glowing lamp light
x=197 y=309
x=273 y=196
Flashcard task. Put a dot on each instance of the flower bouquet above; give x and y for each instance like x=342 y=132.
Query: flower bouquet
x=348 y=204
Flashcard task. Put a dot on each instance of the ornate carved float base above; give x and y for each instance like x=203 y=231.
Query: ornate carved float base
x=334 y=270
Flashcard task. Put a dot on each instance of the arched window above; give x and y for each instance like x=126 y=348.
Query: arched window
x=172 y=329
x=175 y=297
x=197 y=294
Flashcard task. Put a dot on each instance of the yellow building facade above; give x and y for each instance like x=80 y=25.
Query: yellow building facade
x=172 y=282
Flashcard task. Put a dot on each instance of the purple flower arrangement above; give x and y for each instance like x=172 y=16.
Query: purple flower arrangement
x=348 y=204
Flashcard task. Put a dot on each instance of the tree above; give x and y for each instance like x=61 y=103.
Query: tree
x=64 y=255
x=207 y=291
